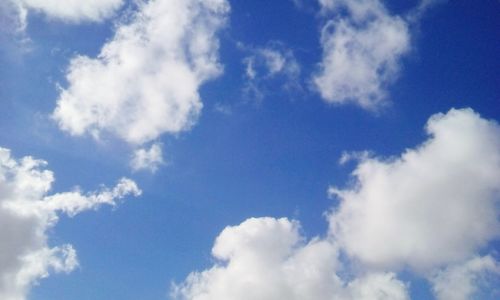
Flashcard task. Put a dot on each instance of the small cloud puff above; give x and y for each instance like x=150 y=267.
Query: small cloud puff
x=147 y=159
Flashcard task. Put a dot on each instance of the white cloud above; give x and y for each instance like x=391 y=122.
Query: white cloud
x=461 y=282
x=14 y=15
x=147 y=159
x=74 y=11
x=15 y=12
x=27 y=212
x=145 y=81
x=379 y=286
x=432 y=206
x=362 y=48
x=266 y=258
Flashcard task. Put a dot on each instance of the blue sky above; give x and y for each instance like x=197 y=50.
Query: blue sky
x=245 y=132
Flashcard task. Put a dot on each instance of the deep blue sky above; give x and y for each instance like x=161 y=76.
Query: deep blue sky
x=272 y=158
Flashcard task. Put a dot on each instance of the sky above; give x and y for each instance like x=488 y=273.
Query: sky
x=243 y=150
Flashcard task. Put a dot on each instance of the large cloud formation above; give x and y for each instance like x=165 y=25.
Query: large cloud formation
x=267 y=259
x=362 y=48
x=27 y=212
x=432 y=211
x=145 y=80
x=437 y=204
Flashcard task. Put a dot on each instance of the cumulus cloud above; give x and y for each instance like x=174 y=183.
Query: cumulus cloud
x=461 y=282
x=433 y=205
x=266 y=258
x=362 y=48
x=145 y=80
x=28 y=211
x=147 y=159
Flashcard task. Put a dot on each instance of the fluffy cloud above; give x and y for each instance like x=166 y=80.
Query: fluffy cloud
x=147 y=159
x=145 y=80
x=362 y=48
x=460 y=282
x=27 y=212
x=267 y=258
x=68 y=10
x=434 y=205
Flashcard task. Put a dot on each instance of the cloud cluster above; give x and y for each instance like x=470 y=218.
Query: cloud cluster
x=145 y=80
x=362 y=48
x=430 y=210
x=27 y=212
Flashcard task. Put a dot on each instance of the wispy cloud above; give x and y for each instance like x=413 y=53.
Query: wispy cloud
x=28 y=212
x=270 y=66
